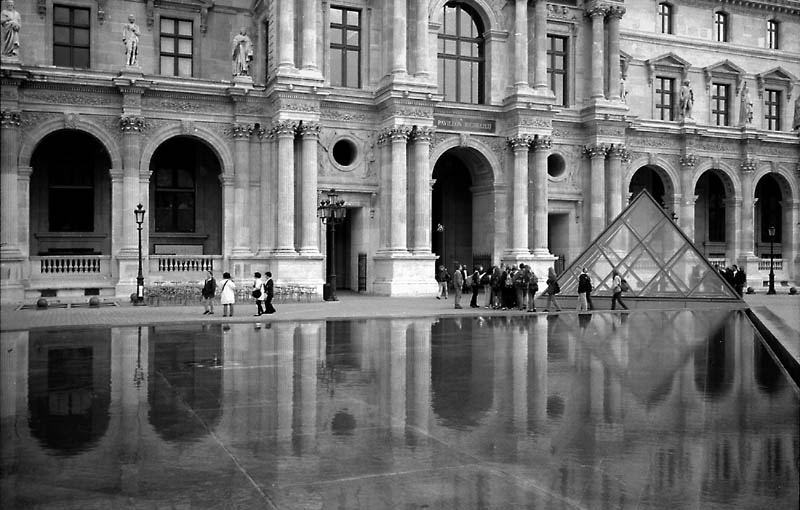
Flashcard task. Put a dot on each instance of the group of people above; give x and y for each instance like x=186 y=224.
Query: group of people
x=735 y=276
x=263 y=292
x=508 y=287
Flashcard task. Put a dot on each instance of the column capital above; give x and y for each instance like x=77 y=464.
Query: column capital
x=241 y=131
x=619 y=151
x=132 y=124
x=310 y=130
x=598 y=150
x=283 y=129
x=688 y=160
x=10 y=119
x=749 y=165
x=541 y=143
x=519 y=142
x=398 y=133
x=616 y=11
x=597 y=10
x=422 y=134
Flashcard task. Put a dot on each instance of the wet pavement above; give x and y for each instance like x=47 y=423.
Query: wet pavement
x=650 y=409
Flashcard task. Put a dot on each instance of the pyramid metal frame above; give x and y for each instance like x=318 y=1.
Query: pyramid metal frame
x=653 y=254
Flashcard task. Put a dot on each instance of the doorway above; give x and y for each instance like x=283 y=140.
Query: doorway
x=342 y=247
x=452 y=212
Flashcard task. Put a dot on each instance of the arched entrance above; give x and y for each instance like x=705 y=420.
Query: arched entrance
x=462 y=209
x=70 y=196
x=648 y=178
x=710 y=217
x=186 y=198
x=768 y=213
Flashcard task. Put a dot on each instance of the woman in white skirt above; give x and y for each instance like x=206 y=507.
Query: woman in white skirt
x=227 y=294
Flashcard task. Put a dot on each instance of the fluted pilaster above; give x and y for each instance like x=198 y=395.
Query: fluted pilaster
x=9 y=135
x=399 y=200
x=748 y=168
x=421 y=243
x=597 y=184
x=241 y=134
x=521 y=44
x=541 y=147
x=617 y=154
x=540 y=47
x=309 y=240
x=132 y=128
x=518 y=242
x=686 y=219
x=597 y=15
x=615 y=14
x=285 y=133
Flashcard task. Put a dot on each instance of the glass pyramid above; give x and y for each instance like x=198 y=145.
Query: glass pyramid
x=652 y=253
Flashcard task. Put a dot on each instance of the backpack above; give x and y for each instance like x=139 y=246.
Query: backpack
x=556 y=287
x=623 y=285
x=533 y=283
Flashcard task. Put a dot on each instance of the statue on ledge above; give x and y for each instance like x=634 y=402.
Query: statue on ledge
x=130 y=36
x=242 y=53
x=686 y=101
x=10 y=21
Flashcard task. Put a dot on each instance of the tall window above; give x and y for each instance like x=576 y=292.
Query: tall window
x=175 y=198
x=721 y=26
x=176 y=47
x=772 y=34
x=665 y=17
x=665 y=97
x=772 y=109
x=461 y=55
x=345 y=47
x=70 y=36
x=71 y=193
x=557 y=67
x=716 y=211
x=720 y=104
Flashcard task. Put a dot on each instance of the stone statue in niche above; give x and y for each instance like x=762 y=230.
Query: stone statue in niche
x=130 y=36
x=796 y=120
x=686 y=100
x=242 y=53
x=11 y=22
x=746 y=107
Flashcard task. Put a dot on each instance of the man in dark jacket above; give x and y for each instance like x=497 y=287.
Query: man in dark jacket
x=458 y=283
x=739 y=280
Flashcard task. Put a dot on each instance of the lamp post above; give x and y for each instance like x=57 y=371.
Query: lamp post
x=139 y=215
x=771 y=232
x=332 y=211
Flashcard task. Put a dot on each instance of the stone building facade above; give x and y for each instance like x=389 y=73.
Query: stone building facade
x=482 y=131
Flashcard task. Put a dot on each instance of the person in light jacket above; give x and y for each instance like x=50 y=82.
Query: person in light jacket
x=258 y=285
x=616 y=297
x=458 y=284
x=227 y=295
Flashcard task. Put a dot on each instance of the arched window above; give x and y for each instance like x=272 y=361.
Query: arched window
x=772 y=34
x=665 y=17
x=721 y=26
x=461 y=55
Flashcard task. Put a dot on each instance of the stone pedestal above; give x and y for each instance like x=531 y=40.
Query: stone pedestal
x=243 y=81
x=12 y=264
x=404 y=275
x=127 y=271
x=304 y=271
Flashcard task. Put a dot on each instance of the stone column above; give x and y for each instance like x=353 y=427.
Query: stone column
x=541 y=148
x=267 y=193
x=24 y=207
x=285 y=131
x=399 y=202
x=399 y=36
x=422 y=191
x=615 y=14
x=309 y=240
x=9 y=135
x=540 y=47
x=518 y=243
x=597 y=184
x=385 y=158
x=597 y=14
x=241 y=214
x=132 y=127
x=686 y=218
x=790 y=238
x=228 y=225
x=421 y=47
x=521 y=44
x=748 y=168
x=616 y=155
x=286 y=29
x=309 y=35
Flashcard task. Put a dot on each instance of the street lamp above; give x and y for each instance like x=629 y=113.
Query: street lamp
x=332 y=211
x=771 y=232
x=139 y=215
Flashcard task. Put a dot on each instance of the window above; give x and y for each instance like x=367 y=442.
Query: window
x=665 y=17
x=175 y=194
x=772 y=109
x=461 y=55
x=70 y=36
x=71 y=193
x=721 y=26
x=665 y=97
x=716 y=211
x=772 y=34
x=720 y=104
x=176 y=47
x=557 y=67
x=345 y=47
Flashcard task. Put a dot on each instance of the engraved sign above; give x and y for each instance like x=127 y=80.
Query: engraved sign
x=454 y=123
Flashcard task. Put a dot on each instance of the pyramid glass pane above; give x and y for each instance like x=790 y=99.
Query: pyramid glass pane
x=652 y=254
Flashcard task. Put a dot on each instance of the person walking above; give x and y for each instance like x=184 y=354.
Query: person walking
x=551 y=290
x=443 y=277
x=616 y=297
x=227 y=295
x=208 y=292
x=584 y=286
x=475 y=285
x=458 y=283
x=739 y=280
x=533 y=288
x=259 y=294
x=269 y=292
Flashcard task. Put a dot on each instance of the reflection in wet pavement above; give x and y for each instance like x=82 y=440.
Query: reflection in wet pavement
x=642 y=410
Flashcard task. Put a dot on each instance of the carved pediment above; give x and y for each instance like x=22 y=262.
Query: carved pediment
x=668 y=62
x=776 y=77
x=724 y=69
x=195 y=6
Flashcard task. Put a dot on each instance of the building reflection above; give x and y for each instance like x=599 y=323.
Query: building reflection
x=677 y=406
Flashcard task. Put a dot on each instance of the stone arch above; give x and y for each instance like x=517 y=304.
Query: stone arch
x=662 y=168
x=787 y=184
x=33 y=139
x=481 y=7
x=475 y=151
x=727 y=174
x=215 y=142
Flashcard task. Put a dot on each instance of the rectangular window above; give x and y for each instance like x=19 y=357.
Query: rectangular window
x=772 y=34
x=175 y=200
x=71 y=198
x=772 y=109
x=721 y=26
x=345 y=68
x=665 y=17
x=557 y=68
x=665 y=98
x=176 y=47
x=70 y=36
x=720 y=103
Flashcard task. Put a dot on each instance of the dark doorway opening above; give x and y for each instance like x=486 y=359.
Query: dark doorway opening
x=452 y=212
x=342 y=244
x=647 y=178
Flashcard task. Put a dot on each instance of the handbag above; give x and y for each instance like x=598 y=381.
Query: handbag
x=256 y=293
x=623 y=286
